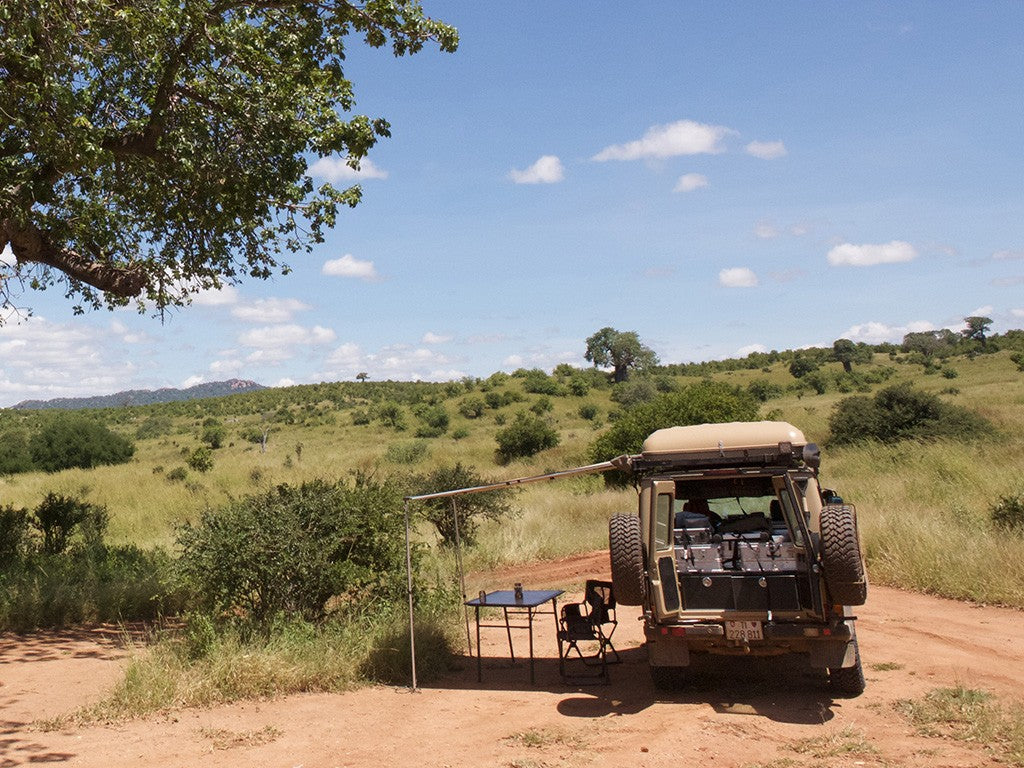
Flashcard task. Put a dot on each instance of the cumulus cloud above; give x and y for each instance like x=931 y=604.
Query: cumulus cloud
x=435 y=338
x=874 y=332
x=1017 y=312
x=225 y=296
x=547 y=170
x=688 y=182
x=400 y=362
x=273 y=344
x=336 y=169
x=737 y=277
x=850 y=255
x=269 y=310
x=766 y=230
x=750 y=349
x=684 y=137
x=349 y=266
x=766 y=150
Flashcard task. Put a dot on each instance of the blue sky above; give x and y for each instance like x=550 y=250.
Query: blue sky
x=719 y=177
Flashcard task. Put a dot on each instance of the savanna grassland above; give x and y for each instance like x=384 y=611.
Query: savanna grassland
x=924 y=506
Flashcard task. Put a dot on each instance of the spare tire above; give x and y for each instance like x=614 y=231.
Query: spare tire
x=626 y=549
x=841 y=558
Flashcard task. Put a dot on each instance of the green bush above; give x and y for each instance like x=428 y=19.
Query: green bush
x=201 y=459
x=57 y=517
x=473 y=406
x=526 y=436
x=763 y=390
x=588 y=411
x=296 y=551
x=14 y=453
x=472 y=508
x=1008 y=513
x=705 y=402
x=536 y=382
x=70 y=440
x=901 y=412
x=407 y=453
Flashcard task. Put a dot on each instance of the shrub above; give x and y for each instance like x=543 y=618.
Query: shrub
x=290 y=550
x=213 y=433
x=14 y=453
x=542 y=406
x=763 y=390
x=634 y=391
x=536 y=382
x=435 y=420
x=1018 y=359
x=901 y=412
x=472 y=508
x=70 y=440
x=13 y=536
x=473 y=406
x=705 y=402
x=1008 y=513
x=201 y=459
x=57 y=516
x=588 y=411
x=525 y=436
x=390 y=414
x=177 y=474
x=406 y=453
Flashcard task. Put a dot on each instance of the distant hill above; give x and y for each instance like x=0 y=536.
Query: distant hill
x=144 y=396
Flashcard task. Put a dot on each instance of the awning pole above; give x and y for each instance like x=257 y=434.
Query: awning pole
x=462 y=576
x=408 y=577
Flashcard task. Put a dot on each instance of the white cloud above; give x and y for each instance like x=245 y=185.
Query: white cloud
x=684 y=137
x=349 y=266
x=1017 y=312
x=435 y=338
x=688 y=182
x=1007 y=255
x=224 y=296
x=512 y=361
x=766 y=230
x=988 y=309
x=766 y=150
x=876 y=333
x=547 y=170
x=737 y=277
x=273 y=344
x=7 y=256
x=336 y=169
x=191 y=381
x=269 y=310
x=750 y=349
x=400 y=362
x=851 y=255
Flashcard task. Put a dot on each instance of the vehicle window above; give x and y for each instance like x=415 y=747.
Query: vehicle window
x=663 y=521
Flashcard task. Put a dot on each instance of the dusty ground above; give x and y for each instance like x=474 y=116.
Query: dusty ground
x=739 y=714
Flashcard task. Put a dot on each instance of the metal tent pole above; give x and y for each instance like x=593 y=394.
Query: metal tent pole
x=462 y=575
x=408 y=578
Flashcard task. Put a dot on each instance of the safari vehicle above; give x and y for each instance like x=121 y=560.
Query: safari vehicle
x=737 y=550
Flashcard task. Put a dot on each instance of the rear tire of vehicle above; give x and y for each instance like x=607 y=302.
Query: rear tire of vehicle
x=848 y=682
x=841 y=558
x=668 y=678
x=627 y=556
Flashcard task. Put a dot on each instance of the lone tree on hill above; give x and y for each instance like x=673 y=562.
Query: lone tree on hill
x=977 y=328
x=619 y=350
x=153 y=149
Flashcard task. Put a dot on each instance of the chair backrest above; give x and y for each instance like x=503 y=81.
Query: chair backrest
x=600 y=596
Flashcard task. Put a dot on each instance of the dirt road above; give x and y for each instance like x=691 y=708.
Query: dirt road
x=742 y=713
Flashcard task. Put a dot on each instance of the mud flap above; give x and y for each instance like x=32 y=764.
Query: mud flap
x=666 y=650
x=833 y=654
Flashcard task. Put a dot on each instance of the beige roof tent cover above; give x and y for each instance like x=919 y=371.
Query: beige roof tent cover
x=702 y=438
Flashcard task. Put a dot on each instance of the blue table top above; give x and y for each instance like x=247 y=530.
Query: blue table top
x=506 y=598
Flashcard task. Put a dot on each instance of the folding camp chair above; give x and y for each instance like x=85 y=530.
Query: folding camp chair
x=590 y=621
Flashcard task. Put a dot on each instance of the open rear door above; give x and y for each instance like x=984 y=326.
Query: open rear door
x=662 y=573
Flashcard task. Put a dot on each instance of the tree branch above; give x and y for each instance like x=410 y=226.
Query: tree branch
x=31 y=245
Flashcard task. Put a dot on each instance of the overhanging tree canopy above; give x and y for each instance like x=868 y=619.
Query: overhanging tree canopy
x=153 y=148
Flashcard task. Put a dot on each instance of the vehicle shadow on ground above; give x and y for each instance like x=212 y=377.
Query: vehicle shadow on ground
x=18 y=748
x=780 y=689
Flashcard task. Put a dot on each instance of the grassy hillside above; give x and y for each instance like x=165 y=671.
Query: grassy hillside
x=924 y=508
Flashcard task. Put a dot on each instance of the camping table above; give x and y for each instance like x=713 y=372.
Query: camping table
x=527 y=605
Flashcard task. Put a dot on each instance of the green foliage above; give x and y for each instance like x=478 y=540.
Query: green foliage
x=57 y=517
x=390 y=414
x=154 y=426
x=407 y=453
x=704 y=402
x=472 y=508
x=14 y=452
x=802 y=365
x=1018 y=360
x=71 y=440
x=294 y=551
x=435 y=420
x=526 y=436
x=763 y=390
x=213 y=433
x=1008 y=513
x=473 y=406
x=622 y=351
x=588 y=411
x=536 y=382
x=14 y=541
x=542 y=405
x=201 y=459
x=901 y=412
x=632 y=392
x=172 y=136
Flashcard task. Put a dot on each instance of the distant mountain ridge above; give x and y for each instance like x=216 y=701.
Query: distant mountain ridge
x=144 y=396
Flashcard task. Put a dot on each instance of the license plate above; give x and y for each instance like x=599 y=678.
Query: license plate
x=744 y=630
